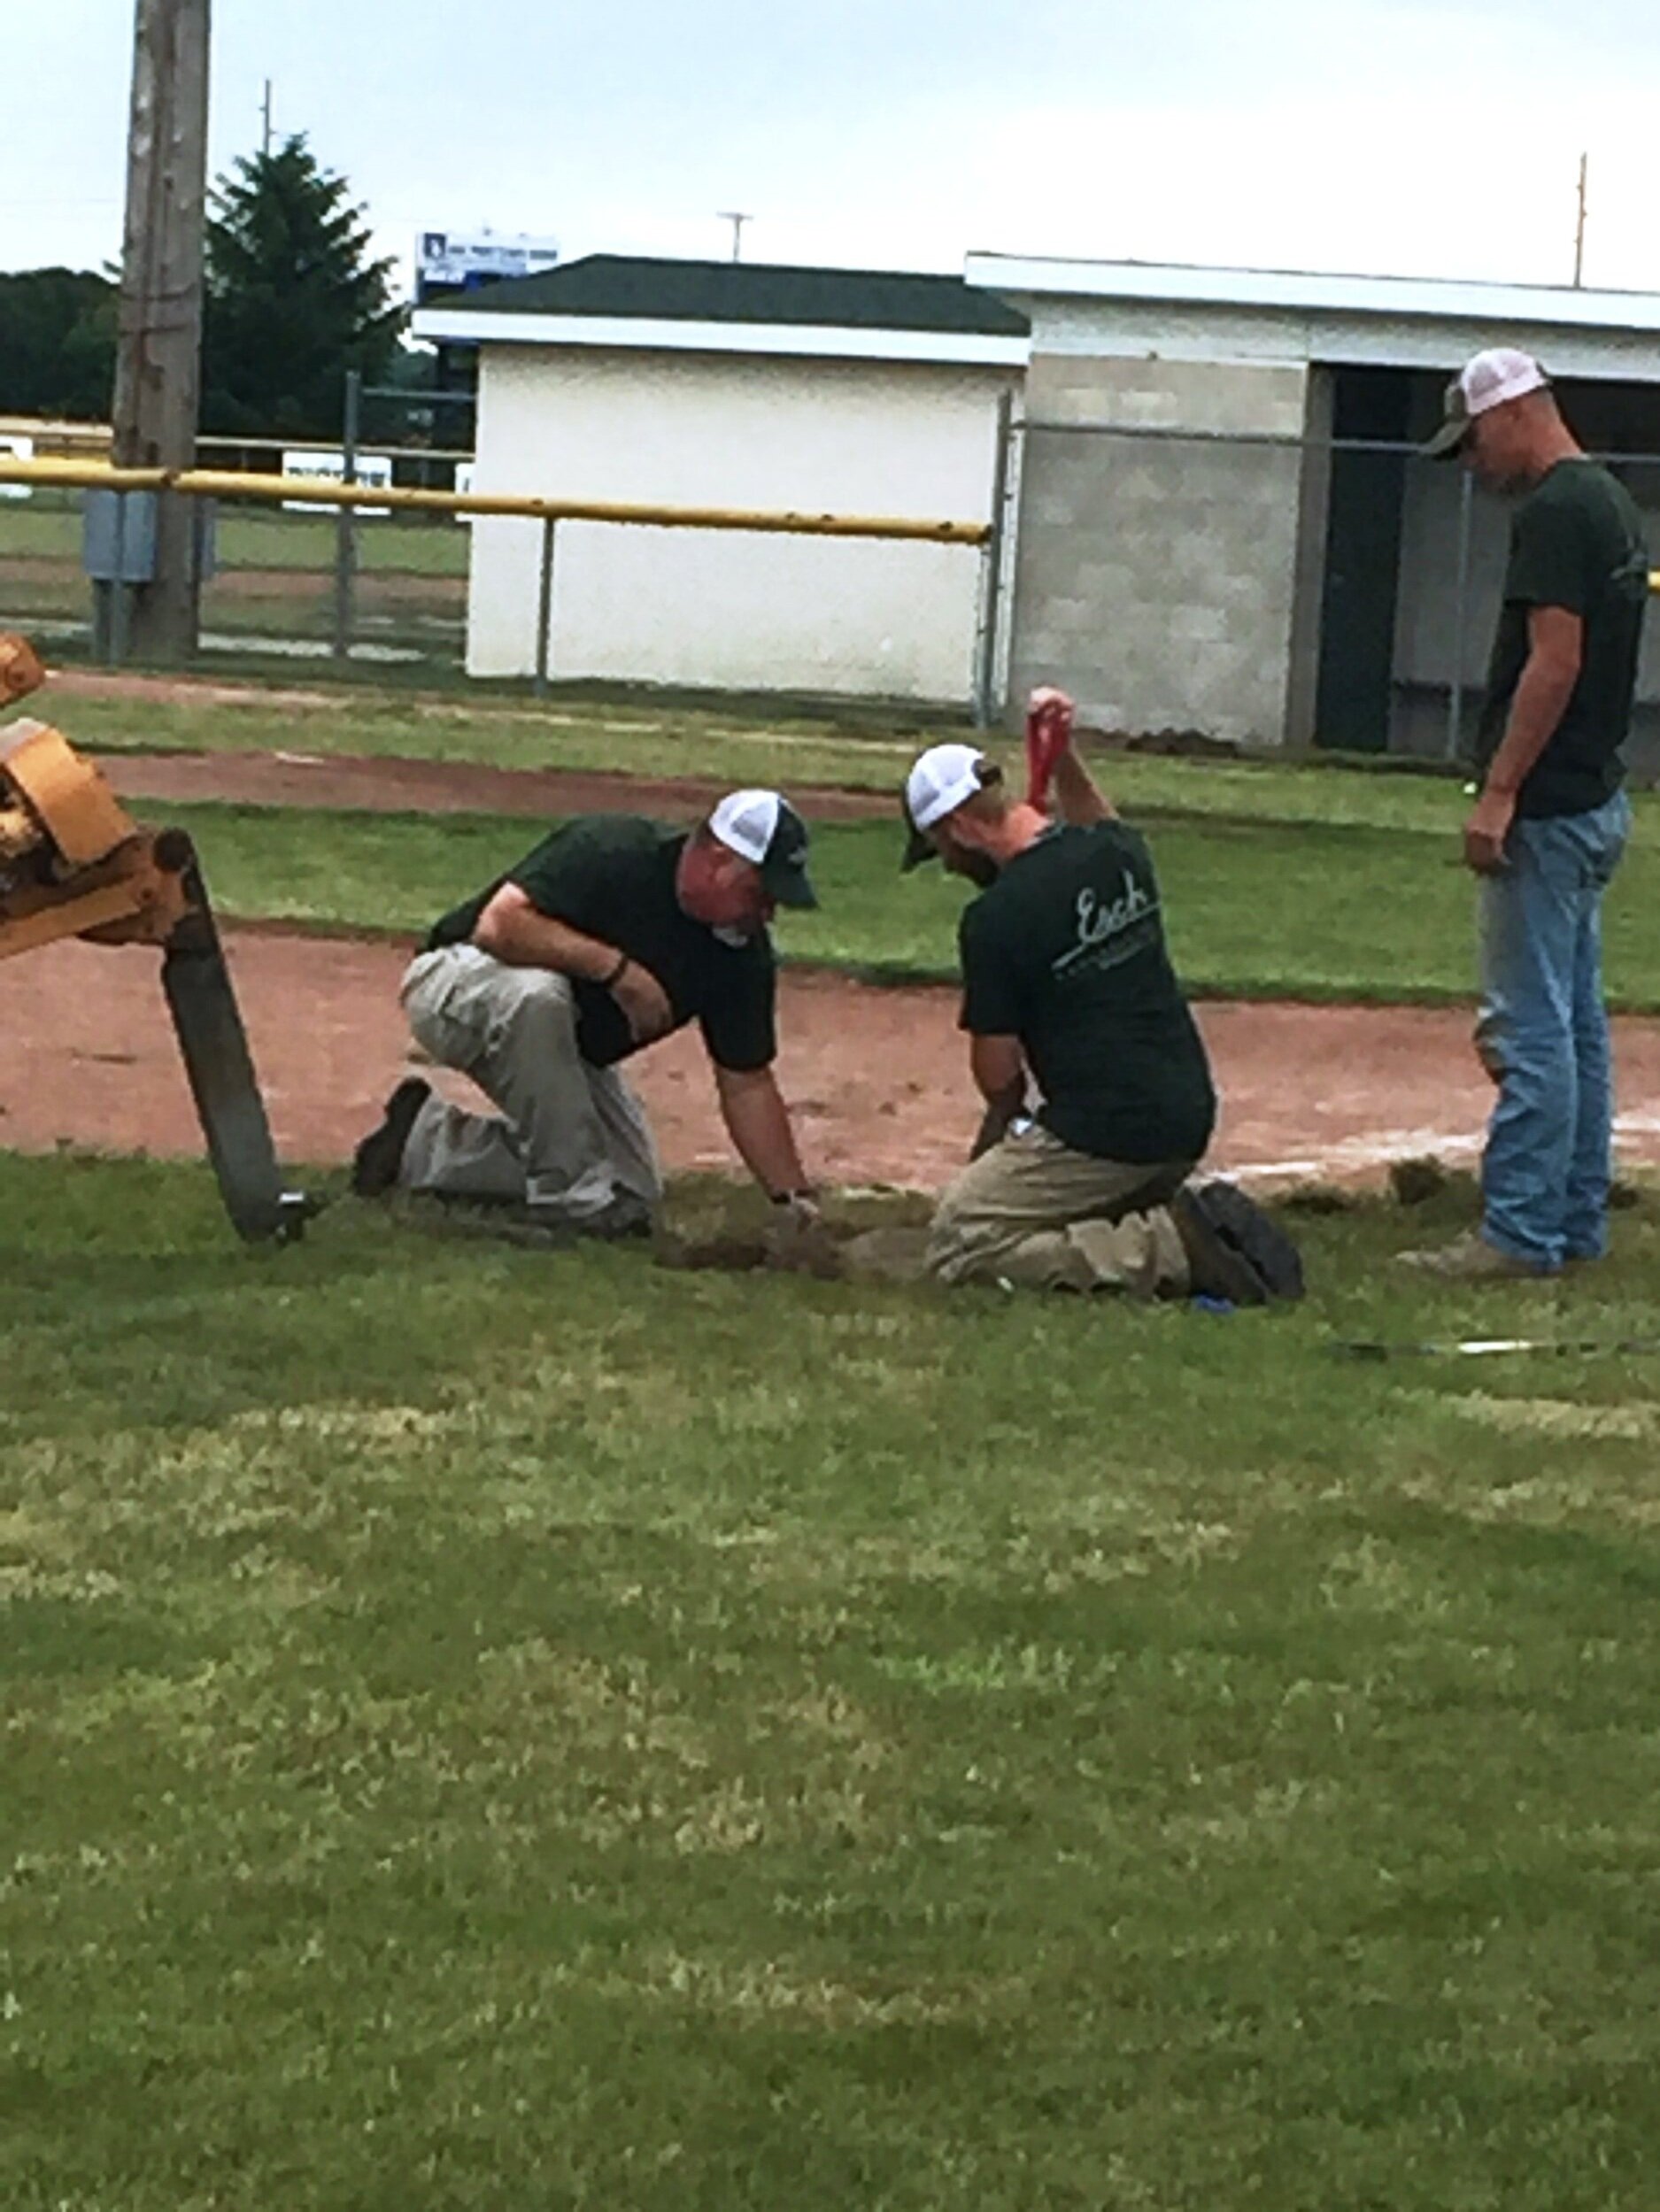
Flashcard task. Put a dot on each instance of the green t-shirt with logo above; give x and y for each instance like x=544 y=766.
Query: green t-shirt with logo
x=1576 y=542
x=612 y=877
x=1066 y=952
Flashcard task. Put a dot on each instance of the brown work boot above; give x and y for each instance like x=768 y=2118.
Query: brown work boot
x=1234 y=1251
x=1471 y=1259
x=376 y=1163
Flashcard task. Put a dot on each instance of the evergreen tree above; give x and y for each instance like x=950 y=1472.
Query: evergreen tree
x=293 y=300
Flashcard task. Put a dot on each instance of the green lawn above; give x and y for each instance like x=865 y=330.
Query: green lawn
x=854 y=746
x=640 y=736
x=1263 y=909
x=488 y=1731
x=255 y=537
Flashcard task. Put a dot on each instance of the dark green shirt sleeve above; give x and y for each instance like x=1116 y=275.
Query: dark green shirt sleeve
x=739 y=1021
x=990 y=992
x=1552 y=559
x=563 y=878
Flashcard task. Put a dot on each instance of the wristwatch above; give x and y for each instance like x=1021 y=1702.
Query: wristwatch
x=802 y=1203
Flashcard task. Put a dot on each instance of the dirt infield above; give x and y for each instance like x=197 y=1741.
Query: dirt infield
x=876 y=1077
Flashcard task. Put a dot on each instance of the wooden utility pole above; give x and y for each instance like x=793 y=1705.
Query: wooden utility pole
x=157 y=370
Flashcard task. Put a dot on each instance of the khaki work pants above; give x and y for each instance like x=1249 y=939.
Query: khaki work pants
x=1035 y=1213
x=569 y=1136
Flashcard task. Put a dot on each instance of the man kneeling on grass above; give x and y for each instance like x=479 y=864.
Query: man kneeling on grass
x=1066 y=980
x=612 y=933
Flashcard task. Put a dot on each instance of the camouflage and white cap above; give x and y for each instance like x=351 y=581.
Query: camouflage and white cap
x=1487 y=380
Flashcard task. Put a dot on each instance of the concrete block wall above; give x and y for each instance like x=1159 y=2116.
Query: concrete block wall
x=1155 y=577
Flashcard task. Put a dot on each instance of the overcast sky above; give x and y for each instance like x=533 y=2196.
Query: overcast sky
x=1367 y=135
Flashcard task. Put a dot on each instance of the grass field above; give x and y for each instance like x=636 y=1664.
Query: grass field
x=853 y=747
x=274 y=582
x=637 y=737
x=1280 y=880
x=254 y=537
x=488 y=1730
x=1257 y=909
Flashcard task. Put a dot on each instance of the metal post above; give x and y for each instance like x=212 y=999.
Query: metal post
x=544 y=606
x=1461 y=587
x=992 y=574
x=120 y=605
x=346 y=520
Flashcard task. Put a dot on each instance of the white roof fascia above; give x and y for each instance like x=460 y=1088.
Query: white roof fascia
x=1279 y=337
x=458 y=327
x=1444 y=299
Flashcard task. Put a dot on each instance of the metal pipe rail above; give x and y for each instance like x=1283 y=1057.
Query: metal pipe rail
x=209 y=483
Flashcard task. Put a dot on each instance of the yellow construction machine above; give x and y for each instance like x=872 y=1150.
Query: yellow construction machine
x=73 y=864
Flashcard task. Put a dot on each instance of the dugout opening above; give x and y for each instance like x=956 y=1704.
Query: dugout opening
x=1413 y=556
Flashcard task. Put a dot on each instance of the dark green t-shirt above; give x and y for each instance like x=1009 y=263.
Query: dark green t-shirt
x=1577 y=543
x=612 y=876
x=1066 y=952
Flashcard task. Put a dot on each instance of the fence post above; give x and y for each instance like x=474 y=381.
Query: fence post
x=1455 y=695
x=992 y=574
x=119 y=603
x=544 y=606
x=346 y=520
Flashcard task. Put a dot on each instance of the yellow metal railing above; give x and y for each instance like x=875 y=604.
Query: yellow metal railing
x=314 y=491
x=209 y=483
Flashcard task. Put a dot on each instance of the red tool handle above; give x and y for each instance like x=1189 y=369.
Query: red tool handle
x=1049 y=715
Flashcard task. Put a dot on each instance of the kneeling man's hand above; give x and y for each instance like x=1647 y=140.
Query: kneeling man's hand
x=645 y=1003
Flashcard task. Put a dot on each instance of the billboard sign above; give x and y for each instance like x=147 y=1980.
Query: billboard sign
x=456 y=260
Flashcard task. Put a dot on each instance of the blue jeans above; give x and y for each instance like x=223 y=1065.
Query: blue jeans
x=1543 y=1035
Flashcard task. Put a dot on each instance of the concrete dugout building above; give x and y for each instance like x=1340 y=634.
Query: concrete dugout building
x=1220 y=521
x=735 y=385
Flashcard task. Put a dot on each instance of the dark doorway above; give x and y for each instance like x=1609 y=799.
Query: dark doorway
x=1362 y=560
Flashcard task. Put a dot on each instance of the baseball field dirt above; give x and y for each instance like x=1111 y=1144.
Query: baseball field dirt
x=876 y=1076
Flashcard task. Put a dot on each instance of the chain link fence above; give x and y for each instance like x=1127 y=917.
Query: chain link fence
x=381 y=590
x=1245 y=589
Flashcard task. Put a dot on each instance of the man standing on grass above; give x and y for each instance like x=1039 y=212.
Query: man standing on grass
x=612 y=933
x=1551 y=821
x=1067 y=983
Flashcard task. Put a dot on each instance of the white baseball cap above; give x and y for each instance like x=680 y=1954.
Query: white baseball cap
x=940 y=780
x=1485 y=382
x=763 y=828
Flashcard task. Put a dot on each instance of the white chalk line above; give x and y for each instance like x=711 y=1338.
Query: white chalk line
x=1354 y=1156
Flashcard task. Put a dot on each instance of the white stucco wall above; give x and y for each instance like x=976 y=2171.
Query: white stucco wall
x=724 y=609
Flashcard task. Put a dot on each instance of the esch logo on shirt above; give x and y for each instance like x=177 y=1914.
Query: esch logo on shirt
x=1109 y=935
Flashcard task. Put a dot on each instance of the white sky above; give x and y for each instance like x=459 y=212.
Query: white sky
x=1389 y=136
